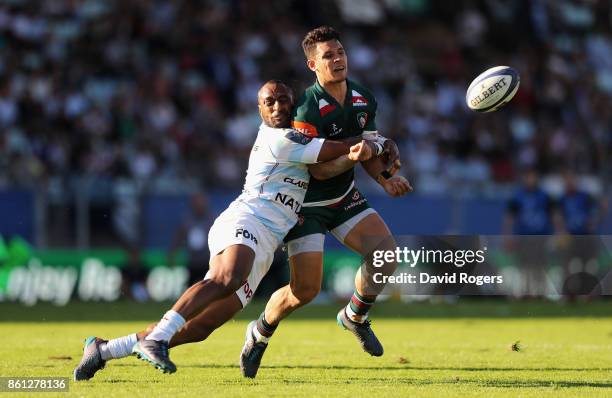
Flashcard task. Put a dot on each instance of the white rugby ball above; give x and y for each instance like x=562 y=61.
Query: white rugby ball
x=492 y=89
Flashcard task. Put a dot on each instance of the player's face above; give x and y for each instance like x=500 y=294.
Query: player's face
x=275 y=103
x=329 y=62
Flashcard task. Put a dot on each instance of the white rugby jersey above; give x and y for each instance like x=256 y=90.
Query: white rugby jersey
x=277 y=177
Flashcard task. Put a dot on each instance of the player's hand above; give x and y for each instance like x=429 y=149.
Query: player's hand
x=361 y=152
x=397 y=186
x=392 y=152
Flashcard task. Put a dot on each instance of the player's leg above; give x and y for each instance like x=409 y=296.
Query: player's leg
x=366 y=232
x=305 y=283
x=242 y=249
x=98 y=351
x=201 y=326
x=229 y=269
x=369 y=234
x=305 y=247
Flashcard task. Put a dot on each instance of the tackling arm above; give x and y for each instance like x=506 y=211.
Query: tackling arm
x=332 y=168
x=332 y=149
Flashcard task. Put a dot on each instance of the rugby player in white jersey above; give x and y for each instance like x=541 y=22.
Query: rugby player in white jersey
x=243 y=239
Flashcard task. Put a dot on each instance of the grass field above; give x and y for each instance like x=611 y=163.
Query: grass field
x=431 y=350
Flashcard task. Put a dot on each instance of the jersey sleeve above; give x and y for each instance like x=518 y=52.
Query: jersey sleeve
x=296 y=147
x=305 y=119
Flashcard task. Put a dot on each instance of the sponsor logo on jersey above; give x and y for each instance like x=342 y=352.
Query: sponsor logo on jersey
x=358 y=99
x=335 y=130
x=245 y=234
x=248 y=292
x=298 y=137
x=305 y=128
x=325 y=107
x=362 y=119
x=297 y=183
x=289 y=202
x=357 y=200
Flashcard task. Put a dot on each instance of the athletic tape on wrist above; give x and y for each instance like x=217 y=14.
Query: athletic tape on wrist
x=381 y=140
x=379 y=148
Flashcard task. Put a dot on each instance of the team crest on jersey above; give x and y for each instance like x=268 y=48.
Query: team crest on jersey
x=362 y=119
x=325 y=107
x=358 y=99
x=300 y=221
x=298 y=137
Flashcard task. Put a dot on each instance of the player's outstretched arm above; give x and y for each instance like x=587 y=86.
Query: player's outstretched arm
x=332 y=168
x=394 y=185
x=390 y=150
x=361 y=151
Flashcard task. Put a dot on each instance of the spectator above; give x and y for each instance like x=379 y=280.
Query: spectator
x=581 y=218
x=145 y=92
x=532 y=215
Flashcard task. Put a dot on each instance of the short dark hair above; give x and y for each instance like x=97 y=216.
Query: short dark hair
x=318 y=35
x=277 y=82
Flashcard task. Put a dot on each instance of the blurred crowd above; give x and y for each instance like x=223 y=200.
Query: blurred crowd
x=161 y=94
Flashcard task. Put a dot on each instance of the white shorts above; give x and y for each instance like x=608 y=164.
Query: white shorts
x=235 y=226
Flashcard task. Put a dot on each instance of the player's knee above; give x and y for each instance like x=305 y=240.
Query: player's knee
x=229 y=283
x=387 y=243
x=305 y=293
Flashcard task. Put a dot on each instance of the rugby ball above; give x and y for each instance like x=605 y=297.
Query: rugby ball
x=492 y=89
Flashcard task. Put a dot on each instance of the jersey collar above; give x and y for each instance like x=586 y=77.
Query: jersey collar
x=347 y=98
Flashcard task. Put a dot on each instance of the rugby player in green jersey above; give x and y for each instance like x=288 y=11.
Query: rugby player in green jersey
x=272 y=175
x=333 y=107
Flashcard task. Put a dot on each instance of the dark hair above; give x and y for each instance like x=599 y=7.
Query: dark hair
x=318 y=35
x=276 y=81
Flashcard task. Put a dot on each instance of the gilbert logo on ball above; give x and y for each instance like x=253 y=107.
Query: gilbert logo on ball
x=492 y=89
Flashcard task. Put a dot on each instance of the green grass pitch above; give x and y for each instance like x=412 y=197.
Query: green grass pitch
x=430 y=350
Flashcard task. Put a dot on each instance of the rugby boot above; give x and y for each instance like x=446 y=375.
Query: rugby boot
x=91 y=361
x=252 y=352
x=156 y=353
x=363 y=332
